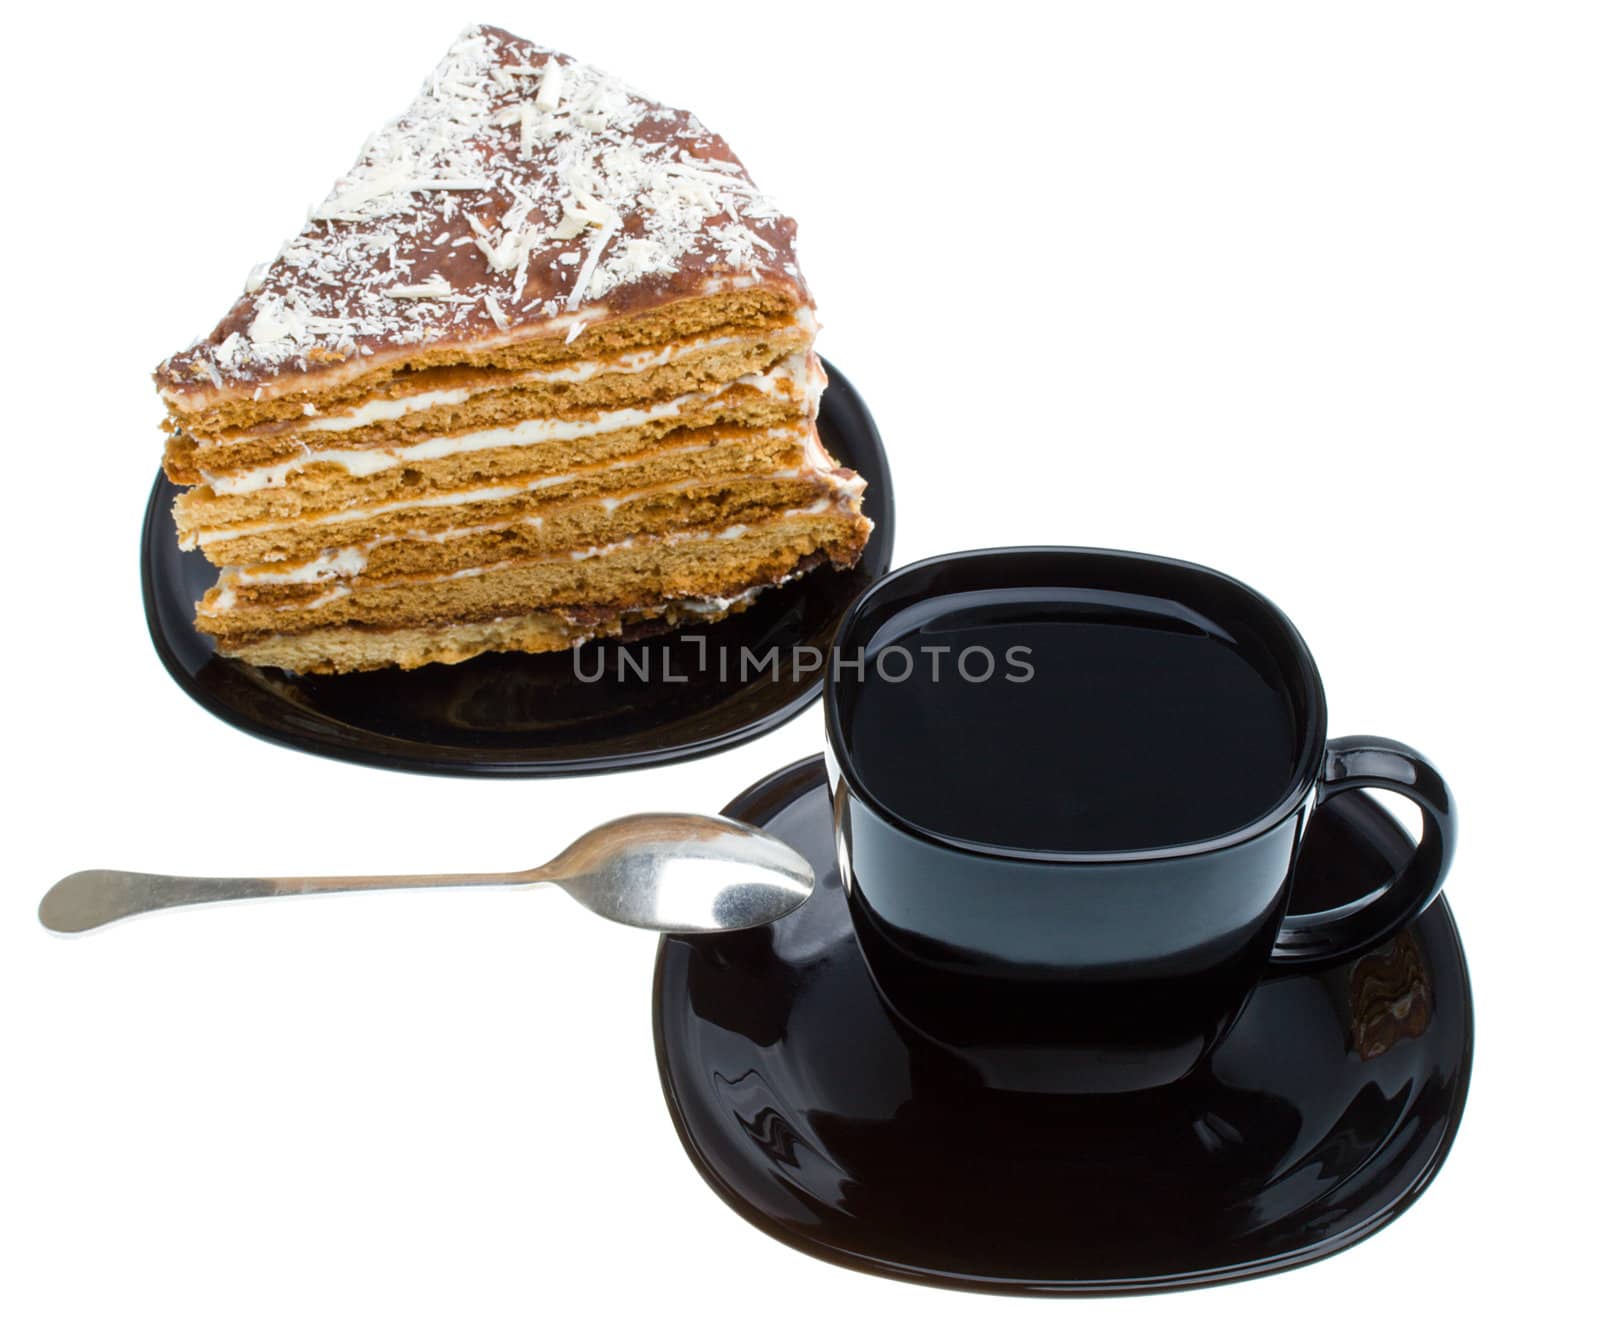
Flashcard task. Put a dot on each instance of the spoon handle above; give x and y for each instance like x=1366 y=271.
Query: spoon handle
x=91 y=898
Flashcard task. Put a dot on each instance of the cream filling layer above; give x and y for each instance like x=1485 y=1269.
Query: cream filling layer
x=633 y=363
x=232 y=578
x=794 y=374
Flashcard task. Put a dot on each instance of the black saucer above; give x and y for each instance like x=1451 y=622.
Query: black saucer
x=518 y=714
x=1321 y=1117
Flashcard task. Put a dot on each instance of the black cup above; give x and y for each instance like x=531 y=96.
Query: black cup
x=1114 y=970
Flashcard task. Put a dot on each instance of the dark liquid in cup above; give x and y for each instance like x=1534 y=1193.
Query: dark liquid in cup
x=1068 y=721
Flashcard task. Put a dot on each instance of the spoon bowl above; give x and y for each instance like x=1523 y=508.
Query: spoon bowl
x=683 y=874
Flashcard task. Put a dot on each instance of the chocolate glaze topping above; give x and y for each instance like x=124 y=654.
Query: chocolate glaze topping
x=521 y=193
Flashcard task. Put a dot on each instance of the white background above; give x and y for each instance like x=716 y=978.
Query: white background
x=1307 y=293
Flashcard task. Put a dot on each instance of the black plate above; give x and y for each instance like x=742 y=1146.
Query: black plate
x=521 y=714
x=815 y=1115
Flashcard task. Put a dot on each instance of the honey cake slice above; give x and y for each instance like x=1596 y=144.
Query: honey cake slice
x=540 y=368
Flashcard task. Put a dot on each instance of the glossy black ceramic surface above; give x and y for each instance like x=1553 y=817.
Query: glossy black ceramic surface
x=820 y=1117
x=522 y=715
x=1149 y=686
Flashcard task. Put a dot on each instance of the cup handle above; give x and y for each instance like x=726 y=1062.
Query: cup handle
x=1357 y=926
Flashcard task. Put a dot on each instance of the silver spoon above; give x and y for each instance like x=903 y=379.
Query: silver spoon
x=675 y=873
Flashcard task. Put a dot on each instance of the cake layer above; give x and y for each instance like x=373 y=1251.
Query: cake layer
x=626 y=575
x=354 y=649
x=781 y=453
x=344 y=515
x=568 y=527
x=446 y=400
x=788 y=390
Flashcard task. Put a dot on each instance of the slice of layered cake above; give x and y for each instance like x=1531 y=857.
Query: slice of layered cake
x=539 y=369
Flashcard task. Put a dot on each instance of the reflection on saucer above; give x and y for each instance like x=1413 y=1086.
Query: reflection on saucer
x=1391 y=997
